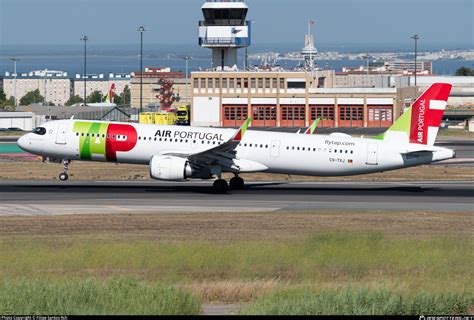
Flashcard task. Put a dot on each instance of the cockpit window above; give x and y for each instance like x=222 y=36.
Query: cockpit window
x=39 y=130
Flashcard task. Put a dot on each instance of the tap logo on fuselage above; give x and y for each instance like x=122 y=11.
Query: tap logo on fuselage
x=98 y=138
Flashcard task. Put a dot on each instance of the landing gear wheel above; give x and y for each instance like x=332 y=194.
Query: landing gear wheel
x=220 y=186
x=237 y=183
x=63 y=176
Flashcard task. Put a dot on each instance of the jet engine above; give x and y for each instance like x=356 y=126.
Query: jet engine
x=170 y=168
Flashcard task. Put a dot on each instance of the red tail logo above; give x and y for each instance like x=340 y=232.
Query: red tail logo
x=427 y=112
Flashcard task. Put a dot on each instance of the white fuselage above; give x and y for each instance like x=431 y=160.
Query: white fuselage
x=277 y=152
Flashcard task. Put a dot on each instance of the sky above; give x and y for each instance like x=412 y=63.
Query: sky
x=338 y=22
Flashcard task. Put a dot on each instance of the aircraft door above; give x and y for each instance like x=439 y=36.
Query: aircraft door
x=372 y=150
x=61 y=134
x=275 y=149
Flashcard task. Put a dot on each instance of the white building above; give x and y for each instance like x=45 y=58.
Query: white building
x=22 y=120
x=101 y=83
x=55 y=86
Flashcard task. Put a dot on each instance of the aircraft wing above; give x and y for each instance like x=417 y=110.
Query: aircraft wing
x=223 y=154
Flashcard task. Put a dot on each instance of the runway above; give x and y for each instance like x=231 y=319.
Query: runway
x=96 y=197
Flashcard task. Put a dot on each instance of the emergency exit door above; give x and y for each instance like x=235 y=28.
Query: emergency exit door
x=372 y=151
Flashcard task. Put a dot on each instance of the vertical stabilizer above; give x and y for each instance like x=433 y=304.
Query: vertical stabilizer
x=420 y=123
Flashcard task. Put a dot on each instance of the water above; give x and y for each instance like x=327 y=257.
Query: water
x=125 y=58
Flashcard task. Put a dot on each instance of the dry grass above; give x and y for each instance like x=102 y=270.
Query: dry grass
x=232 y=290
x=456 y=133
x=80 y=170
x=235 y=257
x=228 y=227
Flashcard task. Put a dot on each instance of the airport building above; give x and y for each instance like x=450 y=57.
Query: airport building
x=55 y=86
x=290 y=99
x=101 y=83
x=154 y=79
x=226 y=96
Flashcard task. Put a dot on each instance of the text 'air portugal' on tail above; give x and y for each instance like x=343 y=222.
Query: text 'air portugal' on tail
x=420 y=123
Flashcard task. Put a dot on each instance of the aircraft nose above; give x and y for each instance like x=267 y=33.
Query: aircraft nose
x=23 y=142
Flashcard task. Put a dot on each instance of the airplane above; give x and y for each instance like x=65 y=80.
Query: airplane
x=108 y=99
x=177 y=153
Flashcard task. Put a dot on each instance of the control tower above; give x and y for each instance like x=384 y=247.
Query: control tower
x=309 y=51
x=224 y=30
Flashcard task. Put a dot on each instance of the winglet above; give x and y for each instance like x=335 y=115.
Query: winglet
x=240 y=133
x=313 y=126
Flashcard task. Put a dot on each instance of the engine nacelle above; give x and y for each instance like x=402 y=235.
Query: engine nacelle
x=170 y=168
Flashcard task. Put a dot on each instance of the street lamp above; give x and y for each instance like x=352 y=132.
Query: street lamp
x=416 y=38
x=141 y=30
x=14 y=59
x=84 y=38
x=187 y=58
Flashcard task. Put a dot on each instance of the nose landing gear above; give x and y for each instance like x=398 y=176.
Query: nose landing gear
x=63 y=176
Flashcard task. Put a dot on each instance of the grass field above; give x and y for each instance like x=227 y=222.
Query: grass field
x=455 y=133
x=93 y=297
x=251 y=258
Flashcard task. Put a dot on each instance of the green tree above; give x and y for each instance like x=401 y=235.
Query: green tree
x=125 y=96
x=118 y=100
x=464 y=71
x=3 y=96
x=8 y=105
x=31 y=97
x=73 y=100
x=94 y=97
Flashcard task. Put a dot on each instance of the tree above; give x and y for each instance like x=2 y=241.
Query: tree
x=73 y=100
x=125 y=96
x=464 y=71
x=31 y=97
x=3 y=96
x=8 y=105
x=94 y=97
x=118 y=100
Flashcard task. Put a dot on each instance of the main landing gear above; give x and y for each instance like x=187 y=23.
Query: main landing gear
x=221 y=186
x=63 y=176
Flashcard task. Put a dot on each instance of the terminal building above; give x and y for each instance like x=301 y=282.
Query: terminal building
x=226 y=96
x=290 y=99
